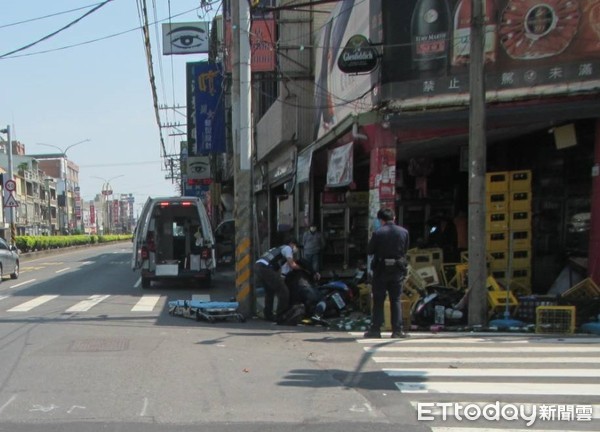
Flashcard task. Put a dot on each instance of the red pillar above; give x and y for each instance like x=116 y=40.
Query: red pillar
x=594 y=251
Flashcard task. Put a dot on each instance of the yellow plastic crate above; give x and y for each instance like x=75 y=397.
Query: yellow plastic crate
x=521 y=258
x=406 y=315
x=429 y=275
x=497 y=301
x=584 y=290
x=520 y=201
x=499 y=260
x=496 y=221
x=492 y=285
x=418 y=258
x=520 y=181
x=496 y=241
x=555 y=319
x=497 y=181
x=520 y=220
x=521 y=239
x=497 y=201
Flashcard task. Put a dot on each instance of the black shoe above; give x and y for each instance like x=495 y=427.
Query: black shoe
x=372 y=334
x=399 y=335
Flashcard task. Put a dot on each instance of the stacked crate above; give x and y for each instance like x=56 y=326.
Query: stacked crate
x=508 y=217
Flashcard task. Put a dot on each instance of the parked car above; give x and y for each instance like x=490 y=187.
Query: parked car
x=225 y=242
x=174 y=240
x=9 y=260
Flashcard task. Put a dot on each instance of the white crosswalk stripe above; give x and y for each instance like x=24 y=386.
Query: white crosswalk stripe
x=86 y=305
x=33 y=303
x=539 y=369
x=146 y=303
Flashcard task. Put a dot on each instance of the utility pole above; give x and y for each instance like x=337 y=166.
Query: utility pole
x=242 y=151
x=12 y=232
x=477 y=273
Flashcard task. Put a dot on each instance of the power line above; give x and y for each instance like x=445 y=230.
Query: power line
x=57 y=31
x=46 y=16
x=96 y=39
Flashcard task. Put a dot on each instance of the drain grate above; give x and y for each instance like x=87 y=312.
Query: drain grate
x=100 y=345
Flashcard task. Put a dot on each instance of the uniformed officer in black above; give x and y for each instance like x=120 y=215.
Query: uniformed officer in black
x=388 y=245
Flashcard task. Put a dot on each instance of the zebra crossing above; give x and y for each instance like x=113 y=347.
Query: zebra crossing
x=530 y=371
x=145 y=303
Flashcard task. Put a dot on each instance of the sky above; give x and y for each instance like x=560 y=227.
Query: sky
x=98 y=91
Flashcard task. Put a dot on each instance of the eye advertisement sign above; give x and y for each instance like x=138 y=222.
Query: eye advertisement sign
x=209 y=108
x=532 y=48
x=185 y=38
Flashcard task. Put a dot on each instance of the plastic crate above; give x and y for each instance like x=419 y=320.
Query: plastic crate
x=520 y=181
x=584 y=290
x=496 y=241
x=520 y=201
x=429 y=275
x=492 y=285
x=496 y=221
x=520 y=220
x=497 y=301
x=496 y=181
x=521 y=258
x=555 y=319
x=418 y=258
x=528 y=305
x=499 y=261
x=521 y=239
x=406 y=314
x=497 y=201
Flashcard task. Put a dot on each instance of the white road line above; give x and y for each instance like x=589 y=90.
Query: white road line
x=499 y=388
x=137 y=284
x=2 y=297
x=144 y=408
x=527 y=407
x=146 y=303
x=498 y=372
x=63 y=270
x=7 y=403
x=28 y=305
x=512 y=350
x=497 y=360
x=470 y=429
x=475 y=340
x=495 y=337
x=87 y=304
x=23 y=283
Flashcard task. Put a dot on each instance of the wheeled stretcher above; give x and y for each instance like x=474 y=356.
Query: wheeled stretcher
x=205 y=310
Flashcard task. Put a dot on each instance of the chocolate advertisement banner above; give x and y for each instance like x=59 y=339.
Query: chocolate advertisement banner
x=532 y=48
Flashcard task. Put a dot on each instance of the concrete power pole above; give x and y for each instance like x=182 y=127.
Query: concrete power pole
x=477 y=167
x=242 y=145
x=12 y=232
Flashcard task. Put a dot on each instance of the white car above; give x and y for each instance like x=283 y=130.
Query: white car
x=9 y=260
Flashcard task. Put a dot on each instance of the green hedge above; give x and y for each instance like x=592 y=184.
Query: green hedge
x=37 y=243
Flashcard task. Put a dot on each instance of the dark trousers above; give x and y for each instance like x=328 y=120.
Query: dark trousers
x=387 y=283
x=274 y=285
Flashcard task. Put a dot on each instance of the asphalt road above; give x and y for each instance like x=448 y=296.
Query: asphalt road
x=83 y=348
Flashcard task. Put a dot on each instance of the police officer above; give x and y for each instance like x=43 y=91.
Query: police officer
x=270 y=271
x=388 y=245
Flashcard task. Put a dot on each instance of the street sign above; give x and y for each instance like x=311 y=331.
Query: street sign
x=10 y=185
x=10 y=201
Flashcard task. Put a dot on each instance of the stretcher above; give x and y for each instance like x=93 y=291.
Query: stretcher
x=205 y=310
